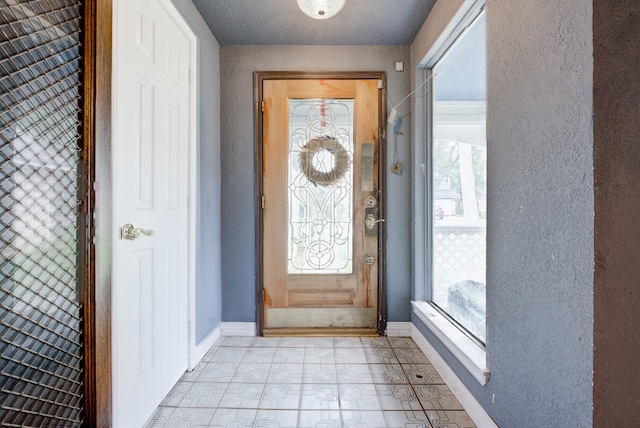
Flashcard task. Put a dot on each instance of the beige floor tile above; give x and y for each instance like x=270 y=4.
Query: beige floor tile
x=436 y=397
x=218 y=372
x=410 y=356
x=450 y=419
x=276 y=419
x=388 y=373
x=224 y=418
x=319 y=356
x=204 y=394
x=358 y=397
x=422 y=374
x=354 y=373
x=318 y=382
x=242 y=396
x=285 y=373
x=281 y=396
x=380 y=356
x=375 y=342
x=319 y=373
x=228 y=354
x=402 y=342
x=259 y=355
x=252 y=372
x=362 y=418
x=398 y=397
x=350 y=356
x=289 y=355
x=192 y=418
x=319 y=419
x=160 y=417
x=319 y=397
x=408 y=419
x=176 y=394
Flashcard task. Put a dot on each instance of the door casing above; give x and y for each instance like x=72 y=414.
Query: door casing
x=259 y=78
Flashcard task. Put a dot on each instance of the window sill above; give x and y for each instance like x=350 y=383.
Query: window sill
x=472 y=356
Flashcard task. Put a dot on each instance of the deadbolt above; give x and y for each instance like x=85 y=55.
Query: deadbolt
x=370 y=202
x=369 y=259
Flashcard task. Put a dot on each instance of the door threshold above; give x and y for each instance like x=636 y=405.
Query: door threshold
x=320 y=331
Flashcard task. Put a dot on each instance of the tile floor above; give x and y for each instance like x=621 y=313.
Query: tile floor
x=312 y=382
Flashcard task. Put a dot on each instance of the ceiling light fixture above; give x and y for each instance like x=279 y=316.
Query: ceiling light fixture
x=321 y=9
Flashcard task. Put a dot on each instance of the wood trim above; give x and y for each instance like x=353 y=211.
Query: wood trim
x=329 y=75
x=85 y=227
x=96 y=218
x=258 y=78
x=382 y=201
x=331 y=331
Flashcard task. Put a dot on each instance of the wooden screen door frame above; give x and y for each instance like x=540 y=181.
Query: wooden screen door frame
x=259 y=78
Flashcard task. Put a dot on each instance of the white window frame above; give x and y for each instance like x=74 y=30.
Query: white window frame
x=469 y=351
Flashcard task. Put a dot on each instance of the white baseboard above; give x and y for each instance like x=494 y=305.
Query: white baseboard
x=238 y=329
x=475 y=411
x=402 y=329
x=203 y=347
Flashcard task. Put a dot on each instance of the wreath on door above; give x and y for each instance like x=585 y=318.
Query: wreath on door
x=341 y=160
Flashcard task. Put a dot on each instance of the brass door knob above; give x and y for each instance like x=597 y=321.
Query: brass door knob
x=370 y=221
x=130 y=232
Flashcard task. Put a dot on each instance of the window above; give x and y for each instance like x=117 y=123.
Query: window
x=458 y=175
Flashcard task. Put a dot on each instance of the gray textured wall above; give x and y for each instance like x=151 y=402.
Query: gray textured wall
x=540 y=221
x=540 y=216
x=208 y=285
x=238 y=210
x=616 y=26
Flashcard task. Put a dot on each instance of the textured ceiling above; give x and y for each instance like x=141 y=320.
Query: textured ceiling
x=280 y=22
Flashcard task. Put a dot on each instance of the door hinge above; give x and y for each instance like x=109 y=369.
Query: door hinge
x=262 y=201
x=380 y=84
x=263 y=299
x=262 y=106
x=189 y=330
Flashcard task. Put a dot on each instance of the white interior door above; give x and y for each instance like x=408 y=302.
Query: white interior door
x=150 y=179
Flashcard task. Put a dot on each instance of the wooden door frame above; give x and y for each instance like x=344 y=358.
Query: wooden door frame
x=258 y=78
x=96 y=216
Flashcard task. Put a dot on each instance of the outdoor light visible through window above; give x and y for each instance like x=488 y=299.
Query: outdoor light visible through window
x=321 y=9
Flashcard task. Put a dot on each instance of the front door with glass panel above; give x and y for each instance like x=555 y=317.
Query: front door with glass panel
x=321 y=205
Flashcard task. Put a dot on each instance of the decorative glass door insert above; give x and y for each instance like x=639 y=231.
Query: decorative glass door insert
x=320 y=186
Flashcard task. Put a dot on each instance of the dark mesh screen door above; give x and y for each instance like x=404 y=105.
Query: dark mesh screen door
x=40 y=320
